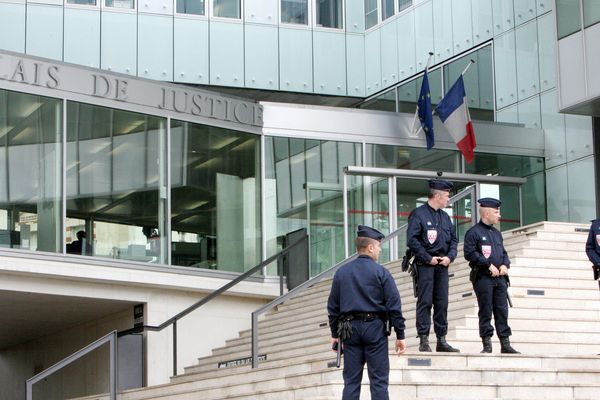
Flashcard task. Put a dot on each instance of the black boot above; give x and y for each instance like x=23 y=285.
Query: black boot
x=424 y=345
x=487 y=344
x=443 y=346
x=505 y=346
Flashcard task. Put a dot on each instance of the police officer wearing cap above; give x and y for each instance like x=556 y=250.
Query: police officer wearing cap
x=592 y=247
x=431 y=238
x=484 y=249
x=363 y=298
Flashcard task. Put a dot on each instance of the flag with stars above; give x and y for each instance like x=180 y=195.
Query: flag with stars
x=424 y=113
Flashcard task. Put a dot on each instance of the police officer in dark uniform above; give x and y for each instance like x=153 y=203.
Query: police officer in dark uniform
x=431 y=238
x=592 y=248
x=484 y=249
x=363 y=298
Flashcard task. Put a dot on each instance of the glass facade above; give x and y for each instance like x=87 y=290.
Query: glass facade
x=387 y=9
x=478 y=86
x=591 y=12
x=127 y=4
x=195 y=7
x=303 y=190
x=216 y=197
x=294 y=12
x=31 y=137
x=568 y=17
x=330 y=13
x=371 y=18
x=227 y=8
x=116 y=182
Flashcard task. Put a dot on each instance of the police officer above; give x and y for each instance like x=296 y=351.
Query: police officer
x=431 y=238
x=592 y=247
x=484 y=249
x=363 y=298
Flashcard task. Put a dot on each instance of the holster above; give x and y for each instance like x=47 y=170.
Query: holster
x=407 y=260
x=596 y=269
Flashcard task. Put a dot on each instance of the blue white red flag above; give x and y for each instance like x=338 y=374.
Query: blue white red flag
x=454 y=113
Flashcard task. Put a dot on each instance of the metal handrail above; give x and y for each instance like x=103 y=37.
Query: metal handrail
x=173 y=320
x=471 y=191
x=109 y=338
x=300 y=288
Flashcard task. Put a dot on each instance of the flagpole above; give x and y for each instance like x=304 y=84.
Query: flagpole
x=468 y=65
x=428 y=60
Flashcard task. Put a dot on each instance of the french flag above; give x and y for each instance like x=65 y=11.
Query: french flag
x=454 y=113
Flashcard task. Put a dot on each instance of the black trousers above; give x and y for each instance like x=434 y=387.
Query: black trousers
x=492 y=300
x=368 y=344
x=433 y=291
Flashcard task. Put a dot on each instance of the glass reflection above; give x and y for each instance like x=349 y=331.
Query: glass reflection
x=215 y=189
x=116 y=186
x=30 y=172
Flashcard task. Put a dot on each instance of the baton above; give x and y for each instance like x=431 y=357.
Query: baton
x=508 y=294
x=338 y=359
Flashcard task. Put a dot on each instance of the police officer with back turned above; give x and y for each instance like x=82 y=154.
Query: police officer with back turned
x=363 y=298
x=592 y=248
x=489 y=262
x=431 y=238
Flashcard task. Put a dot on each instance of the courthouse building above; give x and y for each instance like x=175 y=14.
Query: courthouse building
x=190 y=139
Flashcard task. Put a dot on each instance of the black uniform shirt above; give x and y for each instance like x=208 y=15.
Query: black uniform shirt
x=430 y=233
x=592 y=248
x=364 y=286
x=484 y=247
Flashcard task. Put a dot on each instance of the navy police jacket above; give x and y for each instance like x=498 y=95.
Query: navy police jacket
x=364 y=286
x=592 y=246
x=430 y=233
x=484 y=247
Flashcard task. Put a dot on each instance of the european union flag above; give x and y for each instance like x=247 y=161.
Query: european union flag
x=424 y=111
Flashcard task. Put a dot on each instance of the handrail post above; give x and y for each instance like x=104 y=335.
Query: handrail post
x=110 y=338
x=175 y=348
x=113 y=380
x=254 y=340
x=281 y=273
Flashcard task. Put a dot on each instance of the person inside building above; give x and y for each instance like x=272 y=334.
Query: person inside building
x=592 y=248
x=431 y=238
x=489 y=262
x=363 y=298
x=80 y=246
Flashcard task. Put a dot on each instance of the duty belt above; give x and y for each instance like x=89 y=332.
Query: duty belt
x=364 y=316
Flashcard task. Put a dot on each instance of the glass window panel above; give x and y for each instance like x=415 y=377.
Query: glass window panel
x=320 y=162
x=195 y=7
x=130 y=4
x=82 y=2
x=404 y=4
x=568 y=17
x=383 y=102
x=591 y=12
x=218 y=171
x=329 y=13
x=387 y=156
x=387 y=9
x=370 y=13
x=227 y=8
x=30 y=172
x=533 y=191
x=478 y=82
x=120 y=215
x=294 y=12
x=408 y=92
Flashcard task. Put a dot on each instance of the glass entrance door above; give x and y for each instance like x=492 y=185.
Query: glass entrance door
x=325 y=226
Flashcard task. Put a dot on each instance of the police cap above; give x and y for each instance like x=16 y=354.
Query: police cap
x=367 y=231
x=440 y=184
x=489 y=202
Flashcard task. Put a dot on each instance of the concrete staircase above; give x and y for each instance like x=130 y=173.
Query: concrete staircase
x=555 y=323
